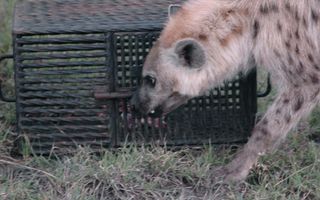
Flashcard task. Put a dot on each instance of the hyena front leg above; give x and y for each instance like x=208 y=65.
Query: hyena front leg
x=289 y=107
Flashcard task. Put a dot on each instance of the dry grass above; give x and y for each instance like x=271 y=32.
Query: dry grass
x=159 y=173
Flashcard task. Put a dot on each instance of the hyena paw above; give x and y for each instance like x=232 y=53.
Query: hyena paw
x=229 y=174
x=217 y=175
x=235 y=175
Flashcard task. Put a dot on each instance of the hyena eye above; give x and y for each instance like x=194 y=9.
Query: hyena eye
x=149 y=80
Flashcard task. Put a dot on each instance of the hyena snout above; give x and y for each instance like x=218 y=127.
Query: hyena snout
x=141 y=106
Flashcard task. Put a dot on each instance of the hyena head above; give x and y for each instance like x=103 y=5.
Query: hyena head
x=202 y=45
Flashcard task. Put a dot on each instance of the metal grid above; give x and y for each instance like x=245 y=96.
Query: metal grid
x=225 y=114
x=56 y=76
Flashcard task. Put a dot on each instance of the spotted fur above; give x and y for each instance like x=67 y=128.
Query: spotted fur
x=282 y=37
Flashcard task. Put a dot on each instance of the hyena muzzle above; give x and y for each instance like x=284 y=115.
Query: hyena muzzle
x=210 y=41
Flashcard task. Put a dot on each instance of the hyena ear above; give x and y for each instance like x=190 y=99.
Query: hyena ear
x=190 y=53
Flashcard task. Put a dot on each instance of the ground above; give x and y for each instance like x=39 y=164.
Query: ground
x=292 y=172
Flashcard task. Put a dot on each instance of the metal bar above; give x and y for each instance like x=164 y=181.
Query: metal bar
x=94 y=120
x=43 y=144
x=7 y=56
x=82 y=47
x=63 y=64
x=123 y=64
x=2 y=96
x=64 y=72
x=77 y=129
x=130 y=47
x=62 y=111
x=111 y=45
x=57 y=139
x=93 y=81
x=41 y=56
x=17 y=60
x=61 y=40
x=59 y=88
x=116 y=27
x=113 y=95
x=59 y=102
x=58 y=94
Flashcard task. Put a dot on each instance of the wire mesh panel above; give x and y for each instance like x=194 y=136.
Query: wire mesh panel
x=56 y=77
x=225 y=114
x=65 y=52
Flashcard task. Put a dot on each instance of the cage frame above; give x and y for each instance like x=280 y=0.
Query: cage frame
x=112 y=95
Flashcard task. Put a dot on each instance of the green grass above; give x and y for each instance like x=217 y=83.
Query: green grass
x=7 y=111
x=291 y=173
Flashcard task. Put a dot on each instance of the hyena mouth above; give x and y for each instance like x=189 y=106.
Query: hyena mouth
x=157 y=112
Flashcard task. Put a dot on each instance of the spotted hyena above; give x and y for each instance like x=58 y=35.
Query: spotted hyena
x=210 y=41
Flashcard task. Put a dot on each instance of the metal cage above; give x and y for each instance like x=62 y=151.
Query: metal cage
x=77 y=63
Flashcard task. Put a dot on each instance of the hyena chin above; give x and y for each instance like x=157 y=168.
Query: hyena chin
x=210 y=41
